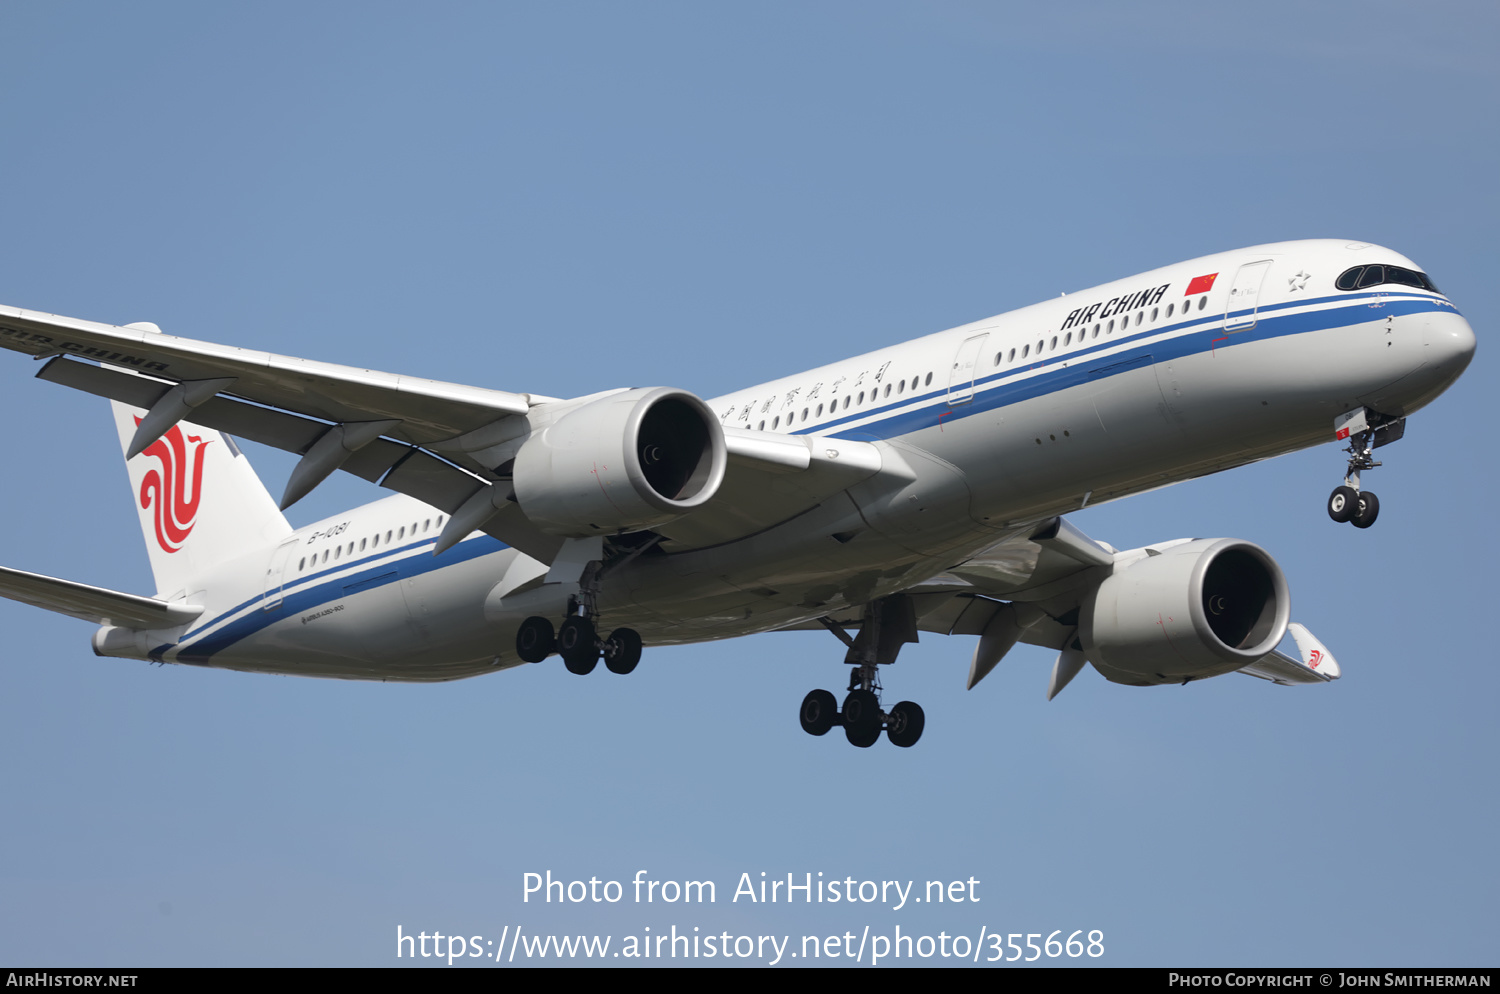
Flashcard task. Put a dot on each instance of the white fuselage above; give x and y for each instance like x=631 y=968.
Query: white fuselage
x=1085 y=398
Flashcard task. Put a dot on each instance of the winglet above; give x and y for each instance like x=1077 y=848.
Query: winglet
x=1315 y=655
x=1316 y=664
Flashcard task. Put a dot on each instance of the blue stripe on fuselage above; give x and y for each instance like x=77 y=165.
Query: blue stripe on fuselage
x=1072 y=368
x=316 y=590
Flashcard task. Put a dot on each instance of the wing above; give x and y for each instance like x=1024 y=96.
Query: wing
x=96 y=604
x=450 y=445
x=771 y=478
x=1034 y=586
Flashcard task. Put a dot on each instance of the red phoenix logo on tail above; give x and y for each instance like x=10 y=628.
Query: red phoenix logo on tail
x=167 y=490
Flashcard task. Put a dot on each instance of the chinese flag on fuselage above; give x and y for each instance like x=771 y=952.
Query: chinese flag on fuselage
x=1201 y=284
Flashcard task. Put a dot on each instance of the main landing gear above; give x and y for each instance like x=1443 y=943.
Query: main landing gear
x=887 y=624
x=579 y=644
x=577 y=640
x=1371 y=430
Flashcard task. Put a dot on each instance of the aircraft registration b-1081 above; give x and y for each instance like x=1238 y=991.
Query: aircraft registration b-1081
x=920 y=487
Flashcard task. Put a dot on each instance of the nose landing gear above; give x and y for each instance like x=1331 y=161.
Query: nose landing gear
x=1366 y=431
x=1358 y=508
x=888 y=623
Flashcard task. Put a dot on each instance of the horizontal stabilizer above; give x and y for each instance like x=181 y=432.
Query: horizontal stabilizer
x=90 y=603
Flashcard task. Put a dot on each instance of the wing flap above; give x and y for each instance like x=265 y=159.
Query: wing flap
x=97 y=604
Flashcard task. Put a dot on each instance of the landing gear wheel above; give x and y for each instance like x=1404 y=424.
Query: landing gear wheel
x=1342 y=503
x=1367 y=510
x=820 y=712
x=577 y=644
x=861 y=718
x=622 y=650
x=906 y=725
x=535 y=640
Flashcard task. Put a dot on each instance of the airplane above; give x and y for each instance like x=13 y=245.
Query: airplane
x=921 y=487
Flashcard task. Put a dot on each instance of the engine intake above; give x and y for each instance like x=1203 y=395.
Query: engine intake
x=1198 y=609
x=625 y=462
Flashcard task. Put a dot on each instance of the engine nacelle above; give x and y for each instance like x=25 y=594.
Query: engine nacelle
x=621 y=463
x=1197 y=610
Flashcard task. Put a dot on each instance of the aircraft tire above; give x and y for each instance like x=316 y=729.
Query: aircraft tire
x=535 y=640
x=1367 y=511
x=861 y=718
x=622 y=650
x=907 y=722
x=576 y=644
x=820 y=712
x=1342 y=503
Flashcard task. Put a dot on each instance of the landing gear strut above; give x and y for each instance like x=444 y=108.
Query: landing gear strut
x=1366 y=431
x=577 y=639
x=886 y=625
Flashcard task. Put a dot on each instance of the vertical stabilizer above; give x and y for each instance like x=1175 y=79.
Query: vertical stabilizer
x=201 y=505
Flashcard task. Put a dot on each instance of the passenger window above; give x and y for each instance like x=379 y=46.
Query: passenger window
x=402 y=533
x=1096 y=331
x=1012 y=356
x=1025 y=351
x=929 y=379
x=336 y=550
x=1054 y=343
x=1153 y=315
x=820 y=410
x=1169 y=309
x=1068 y=340
x=325 y=555
x=847 y=399
x=302 y=565
x=761 y=426
x=804 y=415
x=775 y=422
x=1202 y=302
x=1111 y=329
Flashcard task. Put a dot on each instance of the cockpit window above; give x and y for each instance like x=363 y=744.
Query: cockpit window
x=1361 y=277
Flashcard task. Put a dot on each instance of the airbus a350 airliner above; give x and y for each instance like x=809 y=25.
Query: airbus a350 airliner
x=920 y=487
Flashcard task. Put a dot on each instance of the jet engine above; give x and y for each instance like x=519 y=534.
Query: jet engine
x=1194 y=610
x=624 y=462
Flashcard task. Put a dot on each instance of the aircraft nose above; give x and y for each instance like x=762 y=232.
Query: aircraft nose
x=1449 y=343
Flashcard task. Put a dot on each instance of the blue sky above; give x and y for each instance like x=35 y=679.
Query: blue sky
x=564 y=198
